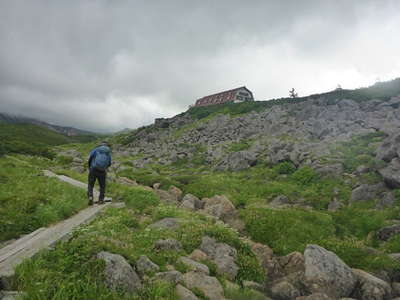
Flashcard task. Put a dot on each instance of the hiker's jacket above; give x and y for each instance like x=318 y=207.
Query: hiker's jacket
x=96 y=151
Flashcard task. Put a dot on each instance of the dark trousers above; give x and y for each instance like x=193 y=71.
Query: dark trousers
x=101 y=177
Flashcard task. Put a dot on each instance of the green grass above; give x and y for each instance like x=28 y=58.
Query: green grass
x=73 y=269
x=33 y=140
x=287 y=230
x=29 y=200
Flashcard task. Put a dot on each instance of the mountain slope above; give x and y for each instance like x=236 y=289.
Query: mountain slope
x=68 y=131
x=33 y=139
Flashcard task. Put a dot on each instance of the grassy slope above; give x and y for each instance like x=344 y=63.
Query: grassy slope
x=33 y=139
x=28 y=200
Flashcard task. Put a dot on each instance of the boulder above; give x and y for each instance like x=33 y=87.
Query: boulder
x=118 y=273
x=293 y=262
x=219 y=206
x=177 y=192
x=264 y=255
x=198 y=255
x=370 y=287
x=193 y=265
x=173 y=277
x=208 y=285
x=166 y=197
x=387 y=232
x=167 y=244
x=326 y=273
x=284 y=290
x=366 y=192
x=388 y=200
x=145 y=265
x=391 y=174
x=396 y=289
x=222 y=255
x=185 y=294
x=191 y=202
x=166 y=223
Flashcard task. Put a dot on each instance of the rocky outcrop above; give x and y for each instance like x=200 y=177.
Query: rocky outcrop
x=191 y=202
x=118 y=273
x=327 y=273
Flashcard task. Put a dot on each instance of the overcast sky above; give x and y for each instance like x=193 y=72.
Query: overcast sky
x=106 y=65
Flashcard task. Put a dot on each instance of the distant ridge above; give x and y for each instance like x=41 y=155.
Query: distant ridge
x=68 y=131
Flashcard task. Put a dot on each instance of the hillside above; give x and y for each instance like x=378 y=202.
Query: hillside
x=65 y=130
x=284 y=199
x=34 y=139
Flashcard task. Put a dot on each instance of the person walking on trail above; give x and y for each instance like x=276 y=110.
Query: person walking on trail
x=99 y=161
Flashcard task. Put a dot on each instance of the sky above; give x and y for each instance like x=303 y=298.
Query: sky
x=105 y=65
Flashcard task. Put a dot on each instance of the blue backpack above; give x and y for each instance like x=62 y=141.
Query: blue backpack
x=102 y=158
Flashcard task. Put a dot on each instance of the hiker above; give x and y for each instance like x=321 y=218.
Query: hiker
x=99 y=161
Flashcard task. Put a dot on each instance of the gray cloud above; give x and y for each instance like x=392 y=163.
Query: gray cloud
x=106 y=65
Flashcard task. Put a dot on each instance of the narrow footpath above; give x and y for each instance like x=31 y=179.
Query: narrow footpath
x=27 y=246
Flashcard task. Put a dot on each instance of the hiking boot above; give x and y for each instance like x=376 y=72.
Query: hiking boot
x=90 y=200
x=101 y=201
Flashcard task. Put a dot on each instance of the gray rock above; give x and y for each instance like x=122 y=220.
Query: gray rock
x=327 y=273
x=362 y=169
x=219 y=206
x=237 y=161
x=284 y=290
x=166 y=197
x=166 y=223
x=169 y=276
x=185 y=294
x=222 y=255
x=391 y=174
x=198 y=255
x=193 y=265
x=291 y=263
x=118 y=273
x=208 y=285
x=388 y=200
x=177 y=192
x=370 y=287
x=386 y=233
x=168 y=244
x=280 y=200
x=396 y=289
x=191 y=202
x=145 y=265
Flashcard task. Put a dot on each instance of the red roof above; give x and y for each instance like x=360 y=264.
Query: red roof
x=224 y=96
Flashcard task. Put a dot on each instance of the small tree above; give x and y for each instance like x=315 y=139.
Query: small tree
x=292 y=93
